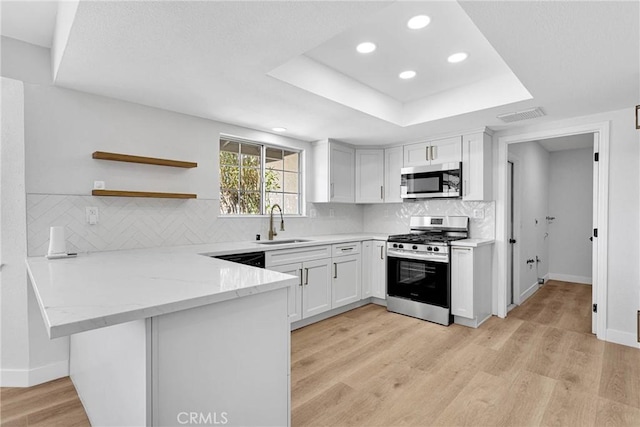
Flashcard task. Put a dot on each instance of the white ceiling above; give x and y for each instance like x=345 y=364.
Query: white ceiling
x=212 y=59
x=29 y=21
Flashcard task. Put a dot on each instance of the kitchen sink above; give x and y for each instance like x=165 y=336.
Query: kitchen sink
x=282 y=242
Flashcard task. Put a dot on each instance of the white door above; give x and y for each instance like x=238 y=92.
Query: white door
x=446 y=150
x=392 y=170
x=379 y=282
x=342 y=164
x=346 y=280
x=295 y=291
x=316 y=290
x=594 y=246
x=370 y=176
x=367 y=269
x=416 y=154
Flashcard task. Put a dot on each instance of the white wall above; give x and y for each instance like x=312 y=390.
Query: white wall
x=571 y=203
x=531 y=231
x=623 y=294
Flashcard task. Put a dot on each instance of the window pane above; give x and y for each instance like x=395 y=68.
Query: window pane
x=228 y=158
x=228 y=201
x=291 y=161
x=251 y=149
x=272 y=180
x=274 y=153
x=291 y=204
x=250 y=180
x=290 y=182
x=229 y=146
x=229 y=177
x=272 y=199
x=250 y=203
x=250 y=161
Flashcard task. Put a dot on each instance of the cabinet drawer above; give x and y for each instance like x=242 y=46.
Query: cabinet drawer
x=288 y=256
x=342 y=249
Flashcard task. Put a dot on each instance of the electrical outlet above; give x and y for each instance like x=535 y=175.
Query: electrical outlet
x=313 y=213
x=91 y=214
x=98 y=185
x=332 y=213
x=478 y=213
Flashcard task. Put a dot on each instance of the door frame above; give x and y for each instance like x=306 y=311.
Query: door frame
x=516 y=229
x=602 y=214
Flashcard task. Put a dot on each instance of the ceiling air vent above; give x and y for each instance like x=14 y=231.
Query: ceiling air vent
x=521 y=115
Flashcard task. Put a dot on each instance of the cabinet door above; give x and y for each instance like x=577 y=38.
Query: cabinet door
x=416 y=154
x=295 y=291
x=342 y=182
x=392 y=167
x=369 y=176
x=446 y=150
x=316 y=291
x=462 y=282
x=367 y=269
x=476 y=167
x=346 y=280
x=379 y=261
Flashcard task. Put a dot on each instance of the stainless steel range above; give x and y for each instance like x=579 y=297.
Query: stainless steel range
x=418 y=267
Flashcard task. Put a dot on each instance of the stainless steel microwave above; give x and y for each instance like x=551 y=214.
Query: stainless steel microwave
x=433 y=181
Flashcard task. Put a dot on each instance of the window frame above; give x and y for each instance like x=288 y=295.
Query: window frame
x=263 y=182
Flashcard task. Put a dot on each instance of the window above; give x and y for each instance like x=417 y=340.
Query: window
x=254 y=177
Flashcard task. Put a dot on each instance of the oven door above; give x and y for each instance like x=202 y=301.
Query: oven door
x=419 y=280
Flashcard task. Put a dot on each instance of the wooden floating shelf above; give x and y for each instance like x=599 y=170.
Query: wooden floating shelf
x=102 y=155
x=118 y=193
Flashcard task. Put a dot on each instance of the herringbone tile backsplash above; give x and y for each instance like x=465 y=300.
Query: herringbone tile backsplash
x=131 y=223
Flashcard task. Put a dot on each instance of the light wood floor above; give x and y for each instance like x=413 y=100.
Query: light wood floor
x=540 y=366
x=368 y=367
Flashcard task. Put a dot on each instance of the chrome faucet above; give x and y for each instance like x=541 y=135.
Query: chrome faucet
x=272 y=231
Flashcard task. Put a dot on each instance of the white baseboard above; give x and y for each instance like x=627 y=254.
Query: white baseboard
x=570 y=278
x=624 y=338
x=526 y=294
x=35 y=376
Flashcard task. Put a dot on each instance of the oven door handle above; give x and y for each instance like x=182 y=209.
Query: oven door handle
x=409 y=255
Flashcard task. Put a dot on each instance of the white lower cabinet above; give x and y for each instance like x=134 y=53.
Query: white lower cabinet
x=471 y=284
x=374 y=269
x=347 y=274
x=295 y=292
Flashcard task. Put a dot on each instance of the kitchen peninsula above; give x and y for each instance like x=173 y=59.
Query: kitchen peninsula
x=162 y=336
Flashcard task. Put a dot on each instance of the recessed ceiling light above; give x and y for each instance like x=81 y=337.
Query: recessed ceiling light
x=409 y=74
x=366 y=47
x=418 y=22
x=279 y=129
x=457 y=57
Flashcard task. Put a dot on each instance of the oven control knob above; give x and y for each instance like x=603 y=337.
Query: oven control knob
x=414 y=247
x=400 y=246
x=429 y=248
x=395 y=245
x=436 y=249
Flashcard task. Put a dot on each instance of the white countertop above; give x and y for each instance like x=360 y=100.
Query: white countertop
x=107 y=288
x=472 y=243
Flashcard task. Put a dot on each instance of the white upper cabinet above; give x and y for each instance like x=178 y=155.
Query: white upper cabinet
x=392 y=169
x=369 y=176
x=476 y=167
x=433 y=152
x=333 y=173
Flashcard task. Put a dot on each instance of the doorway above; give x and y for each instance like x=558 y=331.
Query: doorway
x=513 y=194
x=504 y=231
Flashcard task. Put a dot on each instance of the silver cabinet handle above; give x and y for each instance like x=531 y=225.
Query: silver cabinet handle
x=433 y=152
x=335 y=270
x=427 y=152
x=300 y=277
x=306 y=272
x=381 y=252
x=332 y=190
x=381 y=192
